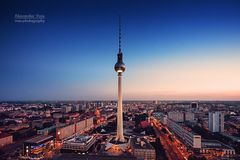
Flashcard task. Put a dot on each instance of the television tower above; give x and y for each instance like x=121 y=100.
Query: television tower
x=119 y=68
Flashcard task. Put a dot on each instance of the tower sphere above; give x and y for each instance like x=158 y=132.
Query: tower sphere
x=119 y=66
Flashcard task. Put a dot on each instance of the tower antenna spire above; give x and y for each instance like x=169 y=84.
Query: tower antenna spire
x=119 y=34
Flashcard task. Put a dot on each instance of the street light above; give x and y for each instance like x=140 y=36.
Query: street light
x=27 y=150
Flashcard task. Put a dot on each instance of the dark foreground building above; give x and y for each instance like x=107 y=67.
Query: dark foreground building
x=72 y=156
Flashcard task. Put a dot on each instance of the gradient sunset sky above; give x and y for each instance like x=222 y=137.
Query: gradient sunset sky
x=173 y=50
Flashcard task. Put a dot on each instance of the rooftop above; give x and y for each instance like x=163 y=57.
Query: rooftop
x=214 y=144
x=80 y=139
x=38 y=139
x=140 y=143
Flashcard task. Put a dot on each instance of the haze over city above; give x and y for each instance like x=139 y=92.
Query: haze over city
x=183 y=50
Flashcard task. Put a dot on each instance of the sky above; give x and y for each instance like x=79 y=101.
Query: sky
x=173 y=50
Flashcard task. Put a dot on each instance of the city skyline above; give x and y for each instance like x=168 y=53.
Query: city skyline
x=187 y=50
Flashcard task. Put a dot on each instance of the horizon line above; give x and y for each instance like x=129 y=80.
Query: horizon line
x=183 y=100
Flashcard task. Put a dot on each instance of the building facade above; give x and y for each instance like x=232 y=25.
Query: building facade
x=67 y=131
x=5 y=139
x=185 y=134
x=37 y=146
x=188 y=116
x=78 y=144
x=176 y=116
x=181 y=116
x=217 y=148
x=142 y=149
x=216 y=122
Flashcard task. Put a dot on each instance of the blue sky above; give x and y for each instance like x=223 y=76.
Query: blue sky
x=169 y=47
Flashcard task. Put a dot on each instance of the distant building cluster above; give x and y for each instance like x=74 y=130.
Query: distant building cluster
x=203 y=127
x=84 y=129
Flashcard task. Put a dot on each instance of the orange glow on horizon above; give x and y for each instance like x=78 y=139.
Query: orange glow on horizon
x=213 y=76
x=207 y=77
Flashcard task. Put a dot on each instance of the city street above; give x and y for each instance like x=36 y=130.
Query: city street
x=171 y=150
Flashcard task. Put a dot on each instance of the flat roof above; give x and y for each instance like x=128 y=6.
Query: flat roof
x=38 y=139
x=214 y=144
x=136 y=143
x=80 y=140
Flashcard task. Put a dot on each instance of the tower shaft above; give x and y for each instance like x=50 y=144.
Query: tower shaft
x=119 y=136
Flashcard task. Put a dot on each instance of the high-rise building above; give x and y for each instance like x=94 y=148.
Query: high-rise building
x=119 y=68
x=76 y=108
x=216 y=121
x=194 y=105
